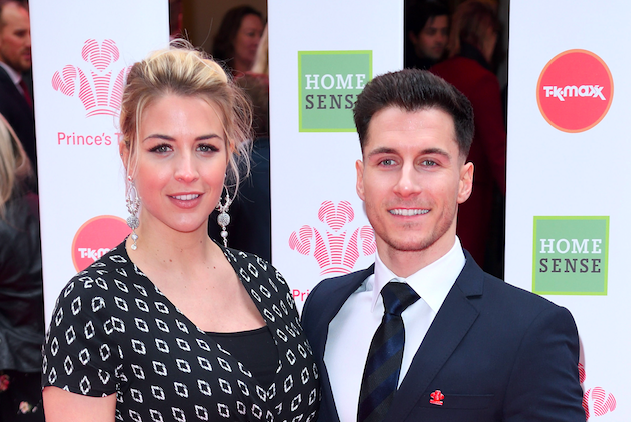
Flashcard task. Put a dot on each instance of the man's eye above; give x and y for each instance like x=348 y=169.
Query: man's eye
x=428 y=163
x=387 y=162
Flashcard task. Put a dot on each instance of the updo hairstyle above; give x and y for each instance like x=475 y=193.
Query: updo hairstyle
x=181 y=70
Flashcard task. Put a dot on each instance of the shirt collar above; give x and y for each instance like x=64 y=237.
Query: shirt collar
x=15 y=76
x=432 y=283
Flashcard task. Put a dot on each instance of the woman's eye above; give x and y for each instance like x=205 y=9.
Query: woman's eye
x=162 y=148
x=207 y=148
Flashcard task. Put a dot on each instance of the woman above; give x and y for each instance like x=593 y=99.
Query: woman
x=238 y=38
x=169 y=325
x=471 y=45
x=21 y=299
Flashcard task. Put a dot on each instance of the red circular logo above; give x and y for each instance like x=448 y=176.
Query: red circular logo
x=95 y=238
x=575 y=90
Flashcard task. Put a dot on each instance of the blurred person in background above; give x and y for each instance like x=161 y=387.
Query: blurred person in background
x=474 y=31
x=16 y=103
x=426 y=33
x=251 y=218
x=238 y=38
x=21 y=297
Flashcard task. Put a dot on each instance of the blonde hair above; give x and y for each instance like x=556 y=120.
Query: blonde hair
x=261 y=60
x=181 y=70
x=15 y=166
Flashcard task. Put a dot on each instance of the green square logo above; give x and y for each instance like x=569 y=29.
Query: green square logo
x=570 y=255
x=329 y=82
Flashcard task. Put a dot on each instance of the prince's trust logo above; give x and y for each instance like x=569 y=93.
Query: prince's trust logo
x=597 y=401
x=337 y=248
x=329 y=82
x=99 y=83
x=570 y=255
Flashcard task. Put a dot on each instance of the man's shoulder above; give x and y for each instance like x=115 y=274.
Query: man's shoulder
x=343 y=282
x=331 y=293
x=508 y=299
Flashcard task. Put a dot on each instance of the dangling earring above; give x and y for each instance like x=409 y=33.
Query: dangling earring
x=133 y=204
x=223 y=219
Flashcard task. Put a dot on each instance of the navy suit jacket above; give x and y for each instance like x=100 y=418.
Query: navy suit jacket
x=19 y=114
x=496 y=352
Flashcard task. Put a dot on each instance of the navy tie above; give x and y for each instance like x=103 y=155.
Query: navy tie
x=383 y=365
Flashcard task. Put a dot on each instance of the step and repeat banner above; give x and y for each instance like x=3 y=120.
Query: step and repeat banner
x=567 y=205
x=81 y=53
x=322 y=55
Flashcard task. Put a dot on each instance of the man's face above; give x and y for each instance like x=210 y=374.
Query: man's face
x=411 y=180
x=431 y=41
x=15 y=38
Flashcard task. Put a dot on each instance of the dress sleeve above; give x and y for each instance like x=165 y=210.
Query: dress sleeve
x=80 y=351
x=545 y=384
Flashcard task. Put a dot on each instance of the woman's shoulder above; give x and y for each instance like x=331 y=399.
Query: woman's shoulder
x=248 y=265
x=111 y=272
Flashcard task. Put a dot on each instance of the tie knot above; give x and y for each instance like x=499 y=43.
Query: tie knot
x=397 y=297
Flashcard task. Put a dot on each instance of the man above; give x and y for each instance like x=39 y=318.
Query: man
x=427 y=32
x=16 y=103
x=468 y=347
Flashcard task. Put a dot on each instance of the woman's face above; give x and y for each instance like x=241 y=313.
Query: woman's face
x=247 y=41
x=181 y=163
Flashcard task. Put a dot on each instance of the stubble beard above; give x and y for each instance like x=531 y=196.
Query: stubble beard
x=425 y=241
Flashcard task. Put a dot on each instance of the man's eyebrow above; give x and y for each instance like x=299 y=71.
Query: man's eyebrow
x=436 y=151
x=382 y=150
x=387 y=150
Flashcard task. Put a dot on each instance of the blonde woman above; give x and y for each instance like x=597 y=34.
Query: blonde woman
x=170 y=325
x=21 y=300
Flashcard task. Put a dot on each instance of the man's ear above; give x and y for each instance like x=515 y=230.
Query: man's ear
x=359 y=166
x=412 y=37
x=465 y=185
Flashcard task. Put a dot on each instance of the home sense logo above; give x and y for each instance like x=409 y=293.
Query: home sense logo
x=99 y=83
x=570 y=255
x=575 y=90
x=95 y=238
x=329 y=82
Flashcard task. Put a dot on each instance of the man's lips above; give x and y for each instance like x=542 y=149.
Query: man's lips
x=407 y=212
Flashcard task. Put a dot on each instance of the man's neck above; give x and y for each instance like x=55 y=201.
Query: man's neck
x=406 y=263
x=15 y=76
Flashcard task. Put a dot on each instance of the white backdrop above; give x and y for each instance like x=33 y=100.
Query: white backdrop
x=81 y=50
x=313 y=172
x=561 y=174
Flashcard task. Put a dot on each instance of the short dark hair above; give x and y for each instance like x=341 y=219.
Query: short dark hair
x=414 y=90
x=418 y=13
x=223 y=45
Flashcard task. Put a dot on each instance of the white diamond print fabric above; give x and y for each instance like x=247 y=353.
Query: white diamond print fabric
x=114 y=332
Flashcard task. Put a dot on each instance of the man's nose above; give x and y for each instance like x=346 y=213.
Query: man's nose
x=409 y=182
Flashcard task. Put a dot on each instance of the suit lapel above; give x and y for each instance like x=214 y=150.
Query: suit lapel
x=335 y=295
x=451 y=324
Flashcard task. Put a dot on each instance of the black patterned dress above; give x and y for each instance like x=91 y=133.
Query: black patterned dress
x=113 y=331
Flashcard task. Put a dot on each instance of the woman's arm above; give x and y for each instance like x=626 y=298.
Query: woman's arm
x=64 y=406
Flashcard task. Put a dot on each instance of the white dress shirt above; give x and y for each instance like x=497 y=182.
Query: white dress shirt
x=352 y=329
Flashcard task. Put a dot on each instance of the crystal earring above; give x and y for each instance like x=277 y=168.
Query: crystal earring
x=223 y=219
x=133 y=205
